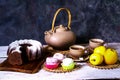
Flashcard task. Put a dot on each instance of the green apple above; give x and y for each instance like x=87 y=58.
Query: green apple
x=111 y=56
x=100 y=49
x=96 y=59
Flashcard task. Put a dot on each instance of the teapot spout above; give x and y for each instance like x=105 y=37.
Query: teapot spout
x=46 y=32
x=47 y=35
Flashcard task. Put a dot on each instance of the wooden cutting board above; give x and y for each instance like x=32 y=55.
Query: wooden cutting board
x=30 y=67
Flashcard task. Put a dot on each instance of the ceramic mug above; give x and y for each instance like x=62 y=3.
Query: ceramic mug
x=77 y=50
x=95 y=42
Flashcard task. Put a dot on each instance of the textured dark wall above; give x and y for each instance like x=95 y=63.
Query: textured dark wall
x=28 y=19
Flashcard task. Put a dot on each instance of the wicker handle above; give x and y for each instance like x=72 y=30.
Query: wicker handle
x=69 y=18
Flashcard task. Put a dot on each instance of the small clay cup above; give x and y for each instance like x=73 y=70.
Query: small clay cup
x=93 y=43
x=76 y=50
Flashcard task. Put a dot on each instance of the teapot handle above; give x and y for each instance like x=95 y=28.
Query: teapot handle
x=69 y=18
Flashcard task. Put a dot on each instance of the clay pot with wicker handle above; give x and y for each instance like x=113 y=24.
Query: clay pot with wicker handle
x=60 y=37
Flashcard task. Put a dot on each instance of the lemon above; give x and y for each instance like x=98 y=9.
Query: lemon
x=96 y=59
x=100 y=49
x=111 y=56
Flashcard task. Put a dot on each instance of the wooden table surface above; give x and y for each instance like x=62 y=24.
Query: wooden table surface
x=84 y=72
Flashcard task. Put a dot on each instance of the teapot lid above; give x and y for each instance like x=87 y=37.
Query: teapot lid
x=60 y=28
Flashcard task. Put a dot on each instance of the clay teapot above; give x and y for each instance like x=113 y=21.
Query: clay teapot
x=60 y=37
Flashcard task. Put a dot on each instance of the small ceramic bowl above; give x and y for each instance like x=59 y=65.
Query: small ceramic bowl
x=68 y=67
x=95 y=42
x=50 y=66
x=68 y=64
x=51 y=63
x=77 y=50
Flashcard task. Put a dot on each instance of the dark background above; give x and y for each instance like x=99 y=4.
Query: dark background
x=29 y=19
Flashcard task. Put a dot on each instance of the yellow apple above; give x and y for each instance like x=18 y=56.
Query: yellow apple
x=110 y=56
x=100 y=49
x=96 y=59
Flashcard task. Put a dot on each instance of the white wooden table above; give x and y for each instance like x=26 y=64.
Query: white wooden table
x=85 y=72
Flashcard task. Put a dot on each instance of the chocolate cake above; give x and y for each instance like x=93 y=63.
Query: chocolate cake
x=23 y=51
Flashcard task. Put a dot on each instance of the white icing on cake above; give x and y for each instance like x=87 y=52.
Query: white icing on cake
x=38 y=45
x=51 y=61
x=67 y=61
x=58 y=56
x=17 y=50
x=35 y=48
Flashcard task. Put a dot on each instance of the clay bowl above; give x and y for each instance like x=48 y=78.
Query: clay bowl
x=95 y=42
x=76 y=50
